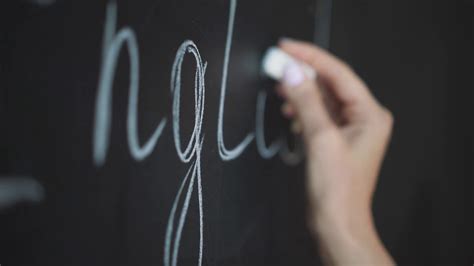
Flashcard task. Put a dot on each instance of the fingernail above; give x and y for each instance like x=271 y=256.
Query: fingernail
x=293 y=75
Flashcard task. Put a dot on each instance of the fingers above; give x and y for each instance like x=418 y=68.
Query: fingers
x=346 y=86
x=306 y=102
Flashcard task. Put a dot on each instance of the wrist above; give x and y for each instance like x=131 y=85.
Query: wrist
x=348 y=237
x=340 y=214
x=351 y=227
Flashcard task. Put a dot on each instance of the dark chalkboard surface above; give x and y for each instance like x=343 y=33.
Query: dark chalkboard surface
x=144 y=133
x=155 y=136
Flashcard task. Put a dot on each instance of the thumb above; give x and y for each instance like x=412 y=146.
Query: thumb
x=305 y=97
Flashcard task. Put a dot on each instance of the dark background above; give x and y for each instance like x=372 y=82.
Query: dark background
x=416 y=56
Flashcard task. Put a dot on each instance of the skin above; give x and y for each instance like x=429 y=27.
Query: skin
x=346 y=132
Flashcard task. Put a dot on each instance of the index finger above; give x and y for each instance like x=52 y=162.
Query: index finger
x=342 y=81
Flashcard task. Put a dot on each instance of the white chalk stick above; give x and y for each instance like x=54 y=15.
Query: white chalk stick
x=275 y=61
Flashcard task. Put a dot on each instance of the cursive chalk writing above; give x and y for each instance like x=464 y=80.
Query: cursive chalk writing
x=111 y=50
x=263 y=150
x=191 y=152
x=228 y=154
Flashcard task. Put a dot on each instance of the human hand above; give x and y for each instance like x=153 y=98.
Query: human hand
x=346 y=132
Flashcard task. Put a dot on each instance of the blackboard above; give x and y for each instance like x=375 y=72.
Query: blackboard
x=108 y=193
x=153 y=132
